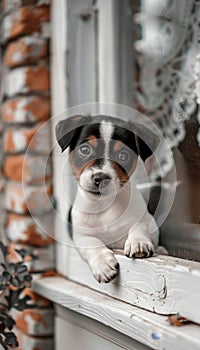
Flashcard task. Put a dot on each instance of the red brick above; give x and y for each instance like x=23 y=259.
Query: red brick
x=25 y=20
x=26 y=80
x=14 y=4
x=32 y=170
x=22 y=199
x=43 y=263
x=36 y=299
x=25 y=50
x=36 y=322
x=36 y=139
x=24 y=229
x=2 y=182
x=26 y=110
x=27 y=342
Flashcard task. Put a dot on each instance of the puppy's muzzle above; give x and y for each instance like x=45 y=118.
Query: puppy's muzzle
x=101 y=180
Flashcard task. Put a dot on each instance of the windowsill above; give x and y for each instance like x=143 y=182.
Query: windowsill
x=162 y=284
x=144 y=326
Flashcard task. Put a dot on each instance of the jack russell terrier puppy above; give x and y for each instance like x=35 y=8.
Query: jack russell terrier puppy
x=109 y=212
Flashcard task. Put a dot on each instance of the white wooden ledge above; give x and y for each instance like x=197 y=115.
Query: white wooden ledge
x=146 y=327
x=162 y=284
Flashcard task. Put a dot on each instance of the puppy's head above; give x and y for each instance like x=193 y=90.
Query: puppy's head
x=103 y=150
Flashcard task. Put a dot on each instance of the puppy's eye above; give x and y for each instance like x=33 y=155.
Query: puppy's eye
x=85 y=150
x=123 y=156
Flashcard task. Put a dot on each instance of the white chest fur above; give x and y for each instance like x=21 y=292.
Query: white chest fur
x=110 y=218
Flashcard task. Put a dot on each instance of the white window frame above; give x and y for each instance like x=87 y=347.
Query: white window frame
x=162 y=284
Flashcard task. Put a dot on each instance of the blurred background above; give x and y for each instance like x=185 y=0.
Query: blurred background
x=59 y=54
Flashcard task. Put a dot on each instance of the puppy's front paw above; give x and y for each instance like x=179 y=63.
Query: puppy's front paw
x=142 y=248
x=105 y=267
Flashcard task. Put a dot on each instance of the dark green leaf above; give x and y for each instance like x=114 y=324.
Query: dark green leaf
x=28 y=278
x=9 y=322
x=21 y=269
x=3 y=248
x=11 y=267
x=6 y=274
x=22 y=252
x=14 y=281
x=13 y=296
x=3 y=265
x=3 y=282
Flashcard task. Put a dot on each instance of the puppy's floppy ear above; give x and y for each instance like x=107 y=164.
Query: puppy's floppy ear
x=68 y=128
x=146 y=141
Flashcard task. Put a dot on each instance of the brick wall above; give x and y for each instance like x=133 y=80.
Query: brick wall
x=25 y=107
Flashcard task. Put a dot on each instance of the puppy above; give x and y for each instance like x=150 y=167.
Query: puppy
x=108 y=212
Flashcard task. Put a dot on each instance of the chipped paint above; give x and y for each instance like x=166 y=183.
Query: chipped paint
x=19 y=140
x=17 y=229
x=21 y=111
x=19 y=77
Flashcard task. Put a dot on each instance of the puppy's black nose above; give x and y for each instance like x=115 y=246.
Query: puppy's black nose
x=100 y=177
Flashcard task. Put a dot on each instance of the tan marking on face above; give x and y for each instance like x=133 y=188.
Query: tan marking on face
x=92 y=141
x=78 y=170
x=118 y=146
x=124 y=177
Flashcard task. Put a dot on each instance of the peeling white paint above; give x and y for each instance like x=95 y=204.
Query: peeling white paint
x=31 y=343
x=39 y=168
x=19 y=140
x=41 y=142
x=42 y=327
x=37 y=199
x=45 y=259
x=35 y=38
x=13 y=196
x=8 y=110
x=7 y=25
x=11 y=4
x=17 y=57
x=15 y=82
x=16 y=229
x=21 y=114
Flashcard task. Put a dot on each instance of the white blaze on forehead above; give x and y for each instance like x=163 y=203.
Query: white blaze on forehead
x=106 y=132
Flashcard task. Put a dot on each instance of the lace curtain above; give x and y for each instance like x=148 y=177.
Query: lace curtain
x=167 y=56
